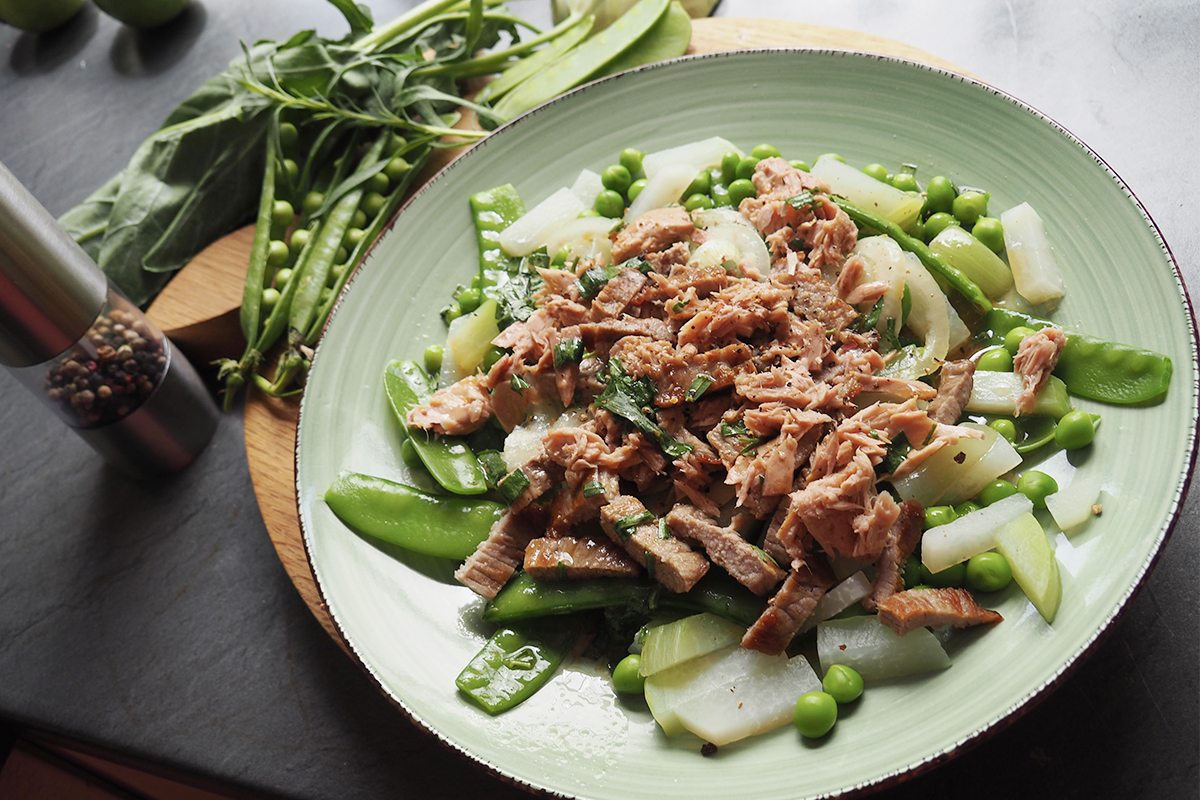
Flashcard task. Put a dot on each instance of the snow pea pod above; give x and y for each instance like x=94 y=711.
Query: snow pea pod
x=446 y=527
x=1094 y=368
x=669 y=38
x=493 y=211
x=516 y=662
x=448 y=458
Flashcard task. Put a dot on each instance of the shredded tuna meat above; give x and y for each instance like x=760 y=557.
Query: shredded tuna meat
x=953 y=392
x=902 y=539
x=456 y=410
x=652 y=232
x=918 y=608
x=1035 y=360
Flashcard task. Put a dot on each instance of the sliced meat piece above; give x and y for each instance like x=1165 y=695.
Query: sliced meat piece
x=456 y=410
x=815 y=299
x=726 y=548
x=917 y=608
x=788 y=610
x=572 y=558
x=672 y=563
x=702 y=280
x=954 y=390
x=902 y=540
x=665 y=261
x=615 y=295
x=496 y=558
x=543 y=475
x=1034 y=361
x=652 y=232
x=598 y=337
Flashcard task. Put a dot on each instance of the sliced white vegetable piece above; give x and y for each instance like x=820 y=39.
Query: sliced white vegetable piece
x=1071 y=506
x=529 y=232
x=1034 y=267
x=875 y=651
x=584 y=237
x=752 y=250
x=674 y=643
x=974 y=259
x=586 y=187
x=970 y=534
x=996 y=393
x=715 y=253
x=699 y=155
x=883 y=262
x=1000 y=458
x=762 y=700
x=662 y=190
x=937 y=475
x=469 y=337
x=875 y=196
x=928 y=317
x=838 y=599
x=1035 y=569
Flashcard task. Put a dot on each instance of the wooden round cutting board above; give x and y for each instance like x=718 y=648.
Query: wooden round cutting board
x=198 y=309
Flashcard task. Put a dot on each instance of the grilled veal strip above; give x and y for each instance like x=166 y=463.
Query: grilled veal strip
x=496 y=559
x=671 y=562
x=791 y=606
x=917 y=608
x=726 y=548
x=902 y=539
x=574 y=558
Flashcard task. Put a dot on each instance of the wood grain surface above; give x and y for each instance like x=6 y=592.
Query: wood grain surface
x=199 y=307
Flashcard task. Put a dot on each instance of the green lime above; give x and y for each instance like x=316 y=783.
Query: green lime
x=36 y=16
x=142 y=13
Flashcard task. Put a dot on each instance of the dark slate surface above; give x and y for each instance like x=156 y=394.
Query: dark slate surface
x=156 y=621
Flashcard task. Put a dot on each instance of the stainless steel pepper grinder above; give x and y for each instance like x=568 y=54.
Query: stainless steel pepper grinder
x=90 y=354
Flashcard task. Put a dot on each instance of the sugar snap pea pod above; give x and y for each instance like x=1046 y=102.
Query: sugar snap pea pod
x=493 y=211
x=956 y=279
x=1091 y=367
x=585 y=61
x=516 y=662
x=524 y=597
x=571 y=32
x=669 y=38
x=448 y=458
x=447 y=527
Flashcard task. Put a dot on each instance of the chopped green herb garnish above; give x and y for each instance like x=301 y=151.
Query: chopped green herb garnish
x=518 y=383
x=512 y=486
x=803 y=200
x=629 y=399
x=625 y=525
x=741 y=434
x=699 y=386
x=568 y=351
x=591 y=282
x=592 y=489
x=637 y=262
x=664 y=532
x=764 y=556
x=494 y=466
x=897 y=451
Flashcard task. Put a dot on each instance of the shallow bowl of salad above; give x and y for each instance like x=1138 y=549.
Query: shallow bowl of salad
x=413 y=627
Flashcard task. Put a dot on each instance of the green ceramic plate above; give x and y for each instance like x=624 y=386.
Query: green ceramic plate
x=413 y=628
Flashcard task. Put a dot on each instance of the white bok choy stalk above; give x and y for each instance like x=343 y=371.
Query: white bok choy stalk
x=585 y=237
x=1034 y=267
x=971 y=534
x=838 y=599
x=870 y=194
x=875 y=651
x=587 y=186
x=883 y=262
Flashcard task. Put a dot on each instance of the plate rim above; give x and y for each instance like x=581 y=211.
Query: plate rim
x=1004 y=718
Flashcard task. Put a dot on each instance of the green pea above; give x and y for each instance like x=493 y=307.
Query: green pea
x=627 y=675
x=379 y=182
x=299 y=239
x=326 y=293
x=720 y=195
x=949 y=577
x=340 y=256
x=843 y=683
x=409 y=455
x=396 y=169
x=940 y=194
x=990 y=231
x=966 y=507
x=313 y=202
x=469 y=300
x=995 y=491
x=631 y=159
x=395 y=143
x=762 y=151
x=698 y=201
x=969 y=206
x=282 y=277
x=699 y=185
x=635 y=189
x=739 y=190
x=1004 y=426
x=560 y=258
x=803 y=166
x=834 y=156
x=588 y=212
x=451 y=313
x=815 y=714
x=359 y=220
x=269 y=298
x=905 y=182
x=729 y=165
x=1013 y=339
x=354 y=237
x=282 y=213
x=937 y=223
x=995 y=360
x=1037 y=486
x=988 y=572
x=277 y=253
x=877 y=171
x=372 y=204
x=610 y=204
x=914 y=572
x=292 y=169
x=745 y=167
x=616 y=178
x=335 y=274
x=939 y=515
x=1075 y=430
x=288 y=135
x=491 y=356
x=433 y=358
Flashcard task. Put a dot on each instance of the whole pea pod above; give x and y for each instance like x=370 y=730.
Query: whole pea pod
x=434 y=525
x=448 y=458
x=1090 y=367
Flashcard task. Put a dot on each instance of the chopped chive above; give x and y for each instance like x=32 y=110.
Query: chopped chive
x=699 y=386
x=494 y=466
x=625 y=525
x=518 y=383
x=664 y=532
x=592 y=488
x=512 y=486
x=802 y=201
